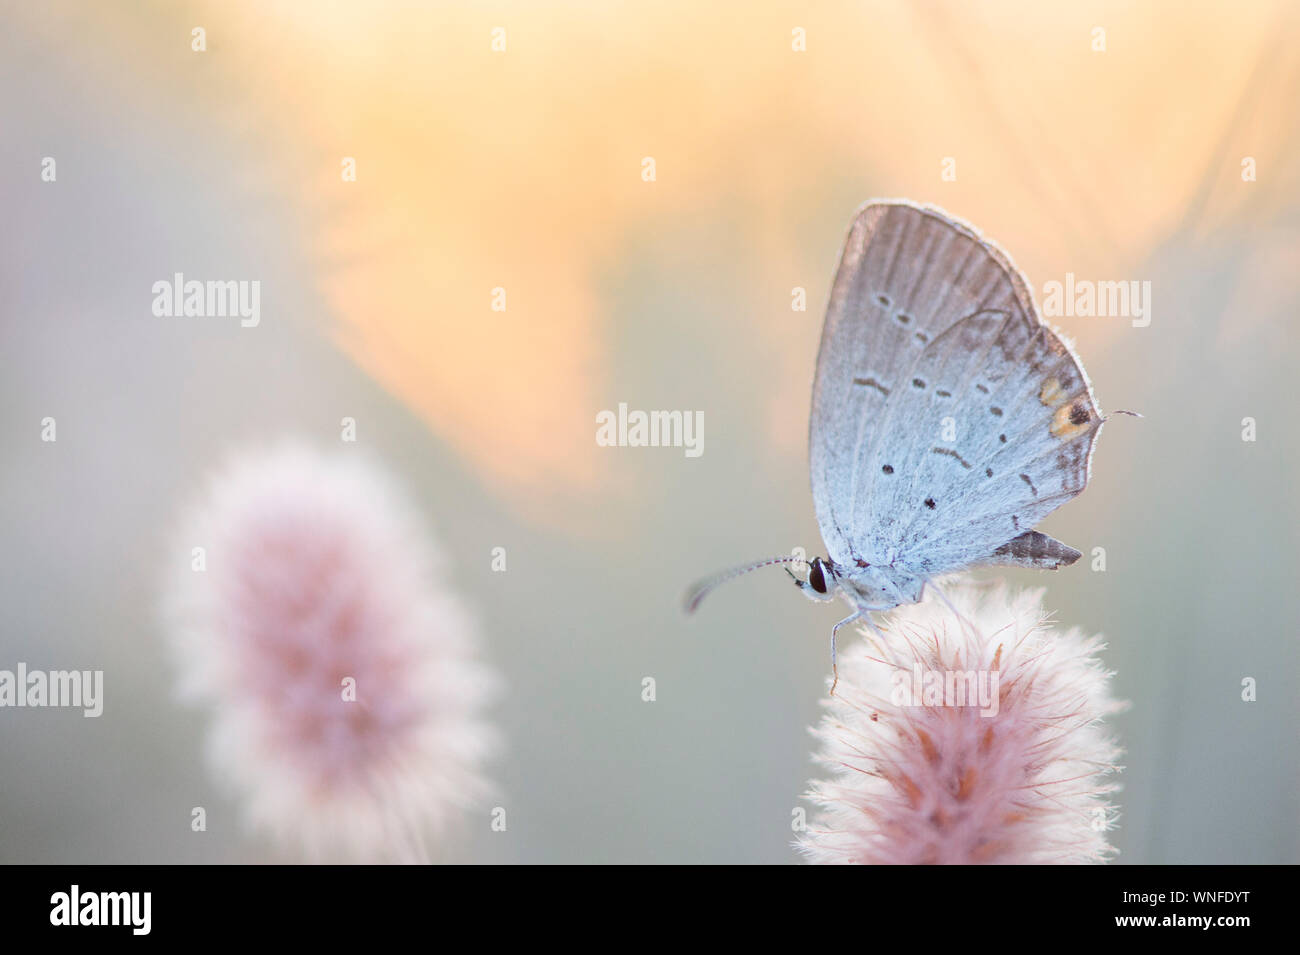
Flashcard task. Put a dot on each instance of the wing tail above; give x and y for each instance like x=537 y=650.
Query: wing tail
x=1032 y=549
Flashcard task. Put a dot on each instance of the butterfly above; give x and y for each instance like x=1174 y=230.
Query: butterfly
x=947 y=418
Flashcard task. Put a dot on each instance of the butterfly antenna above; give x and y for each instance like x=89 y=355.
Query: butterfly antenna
x=703 y=588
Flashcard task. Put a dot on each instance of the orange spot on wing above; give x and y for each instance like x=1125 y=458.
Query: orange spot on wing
x=1071 y=419
x=1051 y=394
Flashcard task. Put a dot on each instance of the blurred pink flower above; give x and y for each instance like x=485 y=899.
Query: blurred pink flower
x=966 y=741
x=341 y=674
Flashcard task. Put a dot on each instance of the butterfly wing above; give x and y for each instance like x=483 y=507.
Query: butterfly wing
x=1032 y=549
x=907 y=275
x=1000 y=424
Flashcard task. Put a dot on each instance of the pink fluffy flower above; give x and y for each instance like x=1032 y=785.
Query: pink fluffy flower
x=971 y=739
x=340 y=672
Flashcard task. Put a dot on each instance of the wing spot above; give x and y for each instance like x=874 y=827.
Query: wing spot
x=1051 y=394
x=1070 y=420
x=1032 y=490
x=952 y=454
x=988 y=472
x=996 y=412
x=982 y=389
x=1015 y=522
x=888 y=469
x=904 y=319
x=929 y=502
x=918 y=383
x=883 y=300
x=872 y=383
x=943 y=394
x=922 y=337
x=1002 y=438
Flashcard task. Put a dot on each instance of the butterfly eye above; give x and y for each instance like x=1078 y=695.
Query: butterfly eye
x=817 y=579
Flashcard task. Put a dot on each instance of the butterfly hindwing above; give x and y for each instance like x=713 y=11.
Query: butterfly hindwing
x=1020 y=446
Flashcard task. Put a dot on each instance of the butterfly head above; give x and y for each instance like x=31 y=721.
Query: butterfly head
x=822 y=581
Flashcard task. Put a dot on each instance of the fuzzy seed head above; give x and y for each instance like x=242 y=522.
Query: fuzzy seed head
x=340 y=672
x=965 y=738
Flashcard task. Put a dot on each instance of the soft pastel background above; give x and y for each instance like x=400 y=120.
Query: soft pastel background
x=521 y=170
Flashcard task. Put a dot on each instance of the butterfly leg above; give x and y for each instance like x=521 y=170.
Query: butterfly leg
x=956 y=613
x=872 y=624
x=835 y=629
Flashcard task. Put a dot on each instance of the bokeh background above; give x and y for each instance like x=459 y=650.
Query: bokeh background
x=521 y=169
